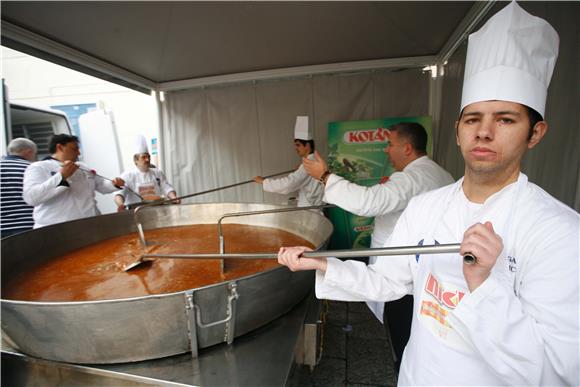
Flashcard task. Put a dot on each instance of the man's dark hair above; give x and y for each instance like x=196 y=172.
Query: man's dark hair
x=414 y=133
x=61 y=139
x=304 y=142
x=533 y=116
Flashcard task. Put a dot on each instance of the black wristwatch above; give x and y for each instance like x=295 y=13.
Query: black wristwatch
x=324 y=177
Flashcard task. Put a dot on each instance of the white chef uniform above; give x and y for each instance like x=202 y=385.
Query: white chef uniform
x=520 y=327
x=150 y=184
x=54 y=203
x=386 y=201
x=310 y=191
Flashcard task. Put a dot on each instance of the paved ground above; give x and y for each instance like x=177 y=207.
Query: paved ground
x=356 y=351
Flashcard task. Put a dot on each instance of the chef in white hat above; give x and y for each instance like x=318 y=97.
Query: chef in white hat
x=310 y=191
x=145 y=182
x=511 y=316
x=414 y=173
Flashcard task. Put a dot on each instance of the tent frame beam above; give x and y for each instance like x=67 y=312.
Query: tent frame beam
x=24 y=40
x=467 y=25
x=300 y=71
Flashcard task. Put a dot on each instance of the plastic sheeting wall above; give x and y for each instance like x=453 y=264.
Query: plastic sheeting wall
x=222 y=135
x=554 y=164
x=213 y=137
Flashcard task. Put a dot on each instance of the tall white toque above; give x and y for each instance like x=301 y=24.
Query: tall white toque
x=140 y=145
x=511 y=58
x=301 y=131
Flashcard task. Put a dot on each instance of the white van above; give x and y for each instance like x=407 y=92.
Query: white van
x=39 y=125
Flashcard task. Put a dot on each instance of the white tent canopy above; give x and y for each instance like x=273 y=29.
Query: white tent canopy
x=235 y=75
x=155 y=44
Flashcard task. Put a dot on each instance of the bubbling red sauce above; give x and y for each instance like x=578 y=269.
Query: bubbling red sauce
x=96 y=272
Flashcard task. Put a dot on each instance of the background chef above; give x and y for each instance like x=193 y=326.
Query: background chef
x=145 y=179
x=309 y=189
x=60 y=187
x=415 y=173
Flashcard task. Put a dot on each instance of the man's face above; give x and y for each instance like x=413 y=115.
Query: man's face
x=143 y=162
x=396 y=151
x=493 y=136
x=69 y=151
x=302 y=150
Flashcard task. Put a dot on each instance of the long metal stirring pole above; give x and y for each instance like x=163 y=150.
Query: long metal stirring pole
x=384 y=251
x=212 y=190
x=111 y=180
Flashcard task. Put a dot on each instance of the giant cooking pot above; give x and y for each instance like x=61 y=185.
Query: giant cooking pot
x=148 y=327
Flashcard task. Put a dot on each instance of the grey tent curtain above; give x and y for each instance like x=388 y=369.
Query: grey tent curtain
x=217 y=136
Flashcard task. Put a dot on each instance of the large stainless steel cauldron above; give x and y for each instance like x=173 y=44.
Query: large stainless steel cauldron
x=133 y=329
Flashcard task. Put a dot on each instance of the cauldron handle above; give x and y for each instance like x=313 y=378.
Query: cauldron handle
x=273 y=211
x=139 y=206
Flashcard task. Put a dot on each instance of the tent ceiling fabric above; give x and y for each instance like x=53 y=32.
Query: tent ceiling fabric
x=173 y=41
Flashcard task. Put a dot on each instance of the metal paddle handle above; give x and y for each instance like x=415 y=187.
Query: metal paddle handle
x=468 y=258
x=111 y=180
x=157 y=202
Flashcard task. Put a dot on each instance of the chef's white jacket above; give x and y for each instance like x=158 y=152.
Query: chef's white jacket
x=54 y=203
x=310 y=191
x=135 y=179
x=386 y=201
x=520 y=327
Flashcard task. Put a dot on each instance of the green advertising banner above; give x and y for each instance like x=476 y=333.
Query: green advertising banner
x=356 y=151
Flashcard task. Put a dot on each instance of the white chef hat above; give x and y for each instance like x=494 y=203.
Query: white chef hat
x=301 y=131
x=140 y=145
x=511 y=58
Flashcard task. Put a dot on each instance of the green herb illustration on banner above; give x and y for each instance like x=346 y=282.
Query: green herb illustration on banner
x=356 y=151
